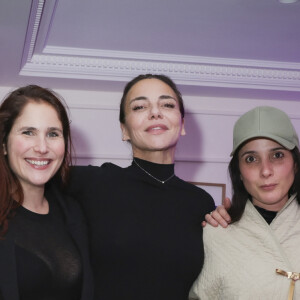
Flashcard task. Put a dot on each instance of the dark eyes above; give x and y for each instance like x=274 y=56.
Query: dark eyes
x=166 y=105
x=250 y=159
x=169 y=105
x=273 y=156
x=51 y=134
x=278 y=155
x=27 y=132
x=137 y=107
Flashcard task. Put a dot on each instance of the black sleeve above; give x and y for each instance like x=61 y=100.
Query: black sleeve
x=89 y=180
x=207 y=204
x=80 y=176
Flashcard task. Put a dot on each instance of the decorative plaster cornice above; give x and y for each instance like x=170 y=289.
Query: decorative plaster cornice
x=77 y=63
x=103 y=68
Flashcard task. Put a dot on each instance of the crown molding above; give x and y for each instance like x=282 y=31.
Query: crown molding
x=144 y=56
x=78 y=63
x=188 y=73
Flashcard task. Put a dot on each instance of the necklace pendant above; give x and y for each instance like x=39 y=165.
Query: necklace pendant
x=161 y=181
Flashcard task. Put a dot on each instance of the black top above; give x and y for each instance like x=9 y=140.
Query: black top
x=47 y=260
x=268 y=215
x=145 y=236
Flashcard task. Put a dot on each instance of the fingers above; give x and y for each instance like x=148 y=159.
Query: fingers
x=203 y=223
x=221 y=216
x=218 y=216
x=222 y=210
x=210 y=220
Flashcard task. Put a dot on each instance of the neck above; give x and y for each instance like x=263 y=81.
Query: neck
x=35 y=201
x=275 y=207
x=159 y=172
x=158 y=157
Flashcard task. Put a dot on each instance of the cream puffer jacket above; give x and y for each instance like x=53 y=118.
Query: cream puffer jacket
x=241 y=260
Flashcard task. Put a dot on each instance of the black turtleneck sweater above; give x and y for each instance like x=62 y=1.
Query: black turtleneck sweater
x=145 y=236
x=268 y=215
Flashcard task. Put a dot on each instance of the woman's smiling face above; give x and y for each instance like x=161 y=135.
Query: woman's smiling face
x=35 y=145
x=153 y=121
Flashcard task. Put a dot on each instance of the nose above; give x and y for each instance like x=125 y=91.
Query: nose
x=155 y=112
x=266 y=168
x=41 y=145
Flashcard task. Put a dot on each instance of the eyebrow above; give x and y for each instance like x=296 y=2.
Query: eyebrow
x=55 y=128
x=278 y=148
x=26 y=128
x=167 y=97
x=162 y=97
x=138 y=98
x=247 y=152
x=33 y=128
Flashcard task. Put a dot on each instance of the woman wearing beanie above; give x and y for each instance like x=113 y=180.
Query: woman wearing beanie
x=257 y=256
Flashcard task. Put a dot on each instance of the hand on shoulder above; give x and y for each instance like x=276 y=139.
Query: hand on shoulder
x=219 y=216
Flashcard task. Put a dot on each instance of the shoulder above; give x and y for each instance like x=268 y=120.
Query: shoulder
x=91 y=181
x=66 y=202
x=110 y=167
x=105 y=167
x=84 y=174
x=216 y=237
x=210 y=231
x=248 y=230
x=192 y=188
x=196 y=192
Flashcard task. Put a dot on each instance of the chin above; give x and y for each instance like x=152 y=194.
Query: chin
x=39 y=182
x=162 y=146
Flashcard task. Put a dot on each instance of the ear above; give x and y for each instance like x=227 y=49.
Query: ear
x=182 y=128
x=125 y=135
x=4 y=149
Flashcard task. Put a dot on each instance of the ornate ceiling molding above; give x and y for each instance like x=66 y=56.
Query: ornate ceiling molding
x=63 y=62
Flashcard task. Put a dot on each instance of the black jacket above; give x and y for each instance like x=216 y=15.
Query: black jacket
x=75 y=224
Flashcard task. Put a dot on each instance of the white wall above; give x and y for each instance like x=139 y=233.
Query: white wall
x=202 y=155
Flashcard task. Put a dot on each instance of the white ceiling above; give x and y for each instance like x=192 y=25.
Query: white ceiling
x=230 y=48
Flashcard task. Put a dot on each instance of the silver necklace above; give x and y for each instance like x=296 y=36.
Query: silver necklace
x=161 y=181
